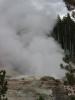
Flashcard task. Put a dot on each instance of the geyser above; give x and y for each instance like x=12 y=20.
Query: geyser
x=24 y=45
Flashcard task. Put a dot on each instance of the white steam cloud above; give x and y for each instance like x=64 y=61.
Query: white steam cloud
x=24 y=46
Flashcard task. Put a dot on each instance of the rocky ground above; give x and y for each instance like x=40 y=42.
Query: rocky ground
x=31 y=88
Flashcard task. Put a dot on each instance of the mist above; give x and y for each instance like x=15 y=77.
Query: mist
x=24 y=45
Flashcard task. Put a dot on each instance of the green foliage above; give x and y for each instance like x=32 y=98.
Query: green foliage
x=70 y=4
x=40 y=98
x=64 y=34
x=67 y=58
x=70 y=78
x=70 y=73
x=72 y=97
x=3 y=85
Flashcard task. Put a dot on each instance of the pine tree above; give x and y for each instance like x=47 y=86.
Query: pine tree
x=70 y=4
x=70 y=72
x=69 y=75
x=3 y=85
x=64 y=33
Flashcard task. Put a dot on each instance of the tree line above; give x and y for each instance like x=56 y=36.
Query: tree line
x=64 y=33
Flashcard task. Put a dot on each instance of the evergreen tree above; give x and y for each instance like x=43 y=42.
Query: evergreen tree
x=69 y=75
x=70 y=4
x=70 y=72
x=3 y=85
x=64 y=33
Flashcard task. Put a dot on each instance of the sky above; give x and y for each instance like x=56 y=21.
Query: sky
x=24 y=45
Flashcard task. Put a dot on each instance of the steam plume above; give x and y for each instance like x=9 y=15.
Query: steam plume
x=24 y=46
